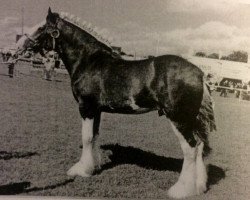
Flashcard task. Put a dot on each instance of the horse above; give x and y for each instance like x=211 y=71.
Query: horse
x=102 y=81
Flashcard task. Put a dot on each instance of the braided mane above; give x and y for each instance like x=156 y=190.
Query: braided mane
x=87 y=27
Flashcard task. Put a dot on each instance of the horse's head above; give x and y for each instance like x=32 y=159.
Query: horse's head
x=42 y=37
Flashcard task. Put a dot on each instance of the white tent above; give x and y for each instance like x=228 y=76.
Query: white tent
x=222 y=68
x=11 y=48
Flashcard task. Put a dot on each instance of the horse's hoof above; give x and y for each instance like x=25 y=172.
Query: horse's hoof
x=201 y=188
x=179 y=191
x=79 y=170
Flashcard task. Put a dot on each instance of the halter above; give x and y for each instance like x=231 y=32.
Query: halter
x=54 y=34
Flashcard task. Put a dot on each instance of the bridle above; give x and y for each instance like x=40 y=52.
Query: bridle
x=54 y=33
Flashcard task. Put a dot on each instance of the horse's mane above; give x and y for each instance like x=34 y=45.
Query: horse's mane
x=93 y=31
x=87 y=27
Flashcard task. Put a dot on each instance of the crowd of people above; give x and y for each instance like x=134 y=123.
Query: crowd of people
x=50 y=61
x=240 y=89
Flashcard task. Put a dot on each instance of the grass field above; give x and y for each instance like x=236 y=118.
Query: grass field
x=40 y=140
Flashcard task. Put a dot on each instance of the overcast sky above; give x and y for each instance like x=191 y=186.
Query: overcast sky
x=146 y=26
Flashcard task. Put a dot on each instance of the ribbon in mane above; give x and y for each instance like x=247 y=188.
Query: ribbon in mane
x=86 y=27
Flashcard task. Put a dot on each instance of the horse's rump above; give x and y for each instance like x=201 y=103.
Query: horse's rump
x=183 y=97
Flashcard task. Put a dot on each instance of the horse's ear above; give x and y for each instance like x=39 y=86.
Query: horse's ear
x=49 y=11
x=50 y=15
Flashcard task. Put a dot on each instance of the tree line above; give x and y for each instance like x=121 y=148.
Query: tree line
x=238 y=56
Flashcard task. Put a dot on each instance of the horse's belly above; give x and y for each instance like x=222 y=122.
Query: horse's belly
x=126 y=110
x=130 y=105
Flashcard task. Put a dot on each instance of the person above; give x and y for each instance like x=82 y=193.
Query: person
x=11 y=64
x=224 y=90
x=13 y=58
x=49 y=64
x=209 y=83
x=238 y=88
x=243 y=93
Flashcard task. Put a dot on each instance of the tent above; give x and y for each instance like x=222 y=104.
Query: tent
x=222 y=68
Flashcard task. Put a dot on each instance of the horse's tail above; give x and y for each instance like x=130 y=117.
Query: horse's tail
x=205 y=119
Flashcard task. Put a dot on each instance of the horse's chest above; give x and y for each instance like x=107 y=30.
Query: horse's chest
x=87 y=85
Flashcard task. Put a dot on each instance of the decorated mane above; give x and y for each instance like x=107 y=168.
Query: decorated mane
x=87 y=27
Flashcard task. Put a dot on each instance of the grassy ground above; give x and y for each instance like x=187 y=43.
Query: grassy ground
x=40 y=140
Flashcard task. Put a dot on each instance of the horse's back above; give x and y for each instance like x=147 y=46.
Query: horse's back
x=168 y=82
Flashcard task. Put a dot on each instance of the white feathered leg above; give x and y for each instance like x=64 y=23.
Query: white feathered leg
x=186 y=184
x=201 y=173
x=85 y=166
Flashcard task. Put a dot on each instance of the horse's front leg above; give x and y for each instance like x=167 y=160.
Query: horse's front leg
x=86 y=165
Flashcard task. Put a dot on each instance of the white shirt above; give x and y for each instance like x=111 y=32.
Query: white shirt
x=49 y=63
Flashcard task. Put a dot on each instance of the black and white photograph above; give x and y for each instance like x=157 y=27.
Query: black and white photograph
x=125 y=99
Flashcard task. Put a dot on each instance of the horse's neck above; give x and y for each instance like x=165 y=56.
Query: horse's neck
x=75 y=48
x=72 y=56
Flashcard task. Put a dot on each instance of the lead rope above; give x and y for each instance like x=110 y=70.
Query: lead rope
x=54 y=43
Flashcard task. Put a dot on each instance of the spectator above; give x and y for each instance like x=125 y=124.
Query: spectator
x=224 y=90
x=11 y=64
x=243 y=93
x=49 y=63
x=238 y=87
x=209 y=83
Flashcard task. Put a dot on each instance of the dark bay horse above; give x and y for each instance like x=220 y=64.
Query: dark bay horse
x=104 y=82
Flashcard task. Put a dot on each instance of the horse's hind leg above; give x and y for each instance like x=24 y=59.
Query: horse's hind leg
x=192 y=180
x=86 y=165
x=201 y=172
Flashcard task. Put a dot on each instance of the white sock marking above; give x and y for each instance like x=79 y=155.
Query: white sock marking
x=201 y=176
x=186 y=184
x=86 y=165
